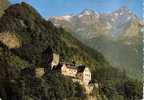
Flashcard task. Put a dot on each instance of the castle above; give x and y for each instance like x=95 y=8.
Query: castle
x=75 y=71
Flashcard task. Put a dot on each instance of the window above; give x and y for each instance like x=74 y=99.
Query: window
x=87 y=75
x=74 y=71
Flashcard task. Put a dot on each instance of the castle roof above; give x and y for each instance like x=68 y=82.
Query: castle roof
x=80 y=68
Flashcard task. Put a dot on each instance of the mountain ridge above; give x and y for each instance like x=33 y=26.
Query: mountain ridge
x=115 y=19
x=118 y=31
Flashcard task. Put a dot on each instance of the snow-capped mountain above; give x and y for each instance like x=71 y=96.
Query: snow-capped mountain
x=116 y=35
x=88 y=12
x=91 y=23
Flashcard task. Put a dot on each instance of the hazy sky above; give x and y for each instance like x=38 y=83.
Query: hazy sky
x=63 y=7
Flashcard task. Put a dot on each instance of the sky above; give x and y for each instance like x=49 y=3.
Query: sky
x=48 y=8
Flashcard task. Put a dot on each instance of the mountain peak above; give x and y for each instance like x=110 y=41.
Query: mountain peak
x=88 y=12
x=123 y=11
x=22 y=10
x=124 y=8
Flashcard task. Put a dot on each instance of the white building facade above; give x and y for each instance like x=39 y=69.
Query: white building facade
x=72 y=71
x=86 y=76
x=67 y=71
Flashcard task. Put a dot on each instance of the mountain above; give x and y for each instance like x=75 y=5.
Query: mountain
x=116 y=35
x=27 y=42
x=36 y=35
x=3 y=5
x=108 y=24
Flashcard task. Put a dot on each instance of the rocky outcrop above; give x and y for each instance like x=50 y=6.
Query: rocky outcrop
x=10 y=40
